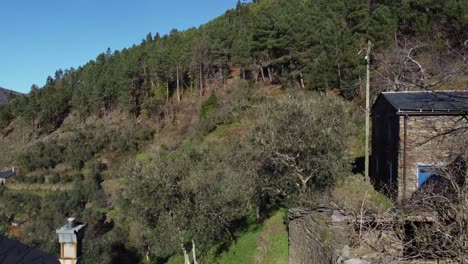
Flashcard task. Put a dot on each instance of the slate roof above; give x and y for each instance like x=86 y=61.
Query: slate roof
x=7 y=174
x=12 y=251
x=445 y=101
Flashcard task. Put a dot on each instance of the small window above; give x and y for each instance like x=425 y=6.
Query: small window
x=425 y=172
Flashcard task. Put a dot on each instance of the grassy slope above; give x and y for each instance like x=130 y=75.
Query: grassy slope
x=353 y=192
x=272 y=244
x=266 y=243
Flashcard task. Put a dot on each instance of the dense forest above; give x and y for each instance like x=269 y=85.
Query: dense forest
x=165 y=197
x=310 y=45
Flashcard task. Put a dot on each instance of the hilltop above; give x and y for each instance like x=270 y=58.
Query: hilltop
x=6 y=95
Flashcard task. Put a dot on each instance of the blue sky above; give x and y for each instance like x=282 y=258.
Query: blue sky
x=39 y=37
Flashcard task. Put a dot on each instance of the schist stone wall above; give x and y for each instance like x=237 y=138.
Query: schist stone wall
x=432 y=141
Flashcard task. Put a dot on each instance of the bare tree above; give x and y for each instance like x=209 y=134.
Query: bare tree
x=415 y=65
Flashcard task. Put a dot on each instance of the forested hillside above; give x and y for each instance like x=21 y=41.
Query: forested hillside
x=312 y=45
x=6 y=95
x=193 y=137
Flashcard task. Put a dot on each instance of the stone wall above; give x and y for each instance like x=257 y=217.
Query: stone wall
x=331 y=237
x=314 y=239
x=431 y=140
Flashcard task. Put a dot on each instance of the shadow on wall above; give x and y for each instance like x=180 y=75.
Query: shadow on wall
x=359 y=165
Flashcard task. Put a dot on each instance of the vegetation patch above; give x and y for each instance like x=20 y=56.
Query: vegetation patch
x=272 y=243
x=142 y=157
x=353 y=193
x=259 y=243
x=208 y=106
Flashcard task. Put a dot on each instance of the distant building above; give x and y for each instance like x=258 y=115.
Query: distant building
x=6 y=175
x=71 y=242
x=71 y=247
x=12 y=251
x=18 y=222
x=415 y=135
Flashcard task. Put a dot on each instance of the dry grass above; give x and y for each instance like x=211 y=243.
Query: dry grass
x=351 y=193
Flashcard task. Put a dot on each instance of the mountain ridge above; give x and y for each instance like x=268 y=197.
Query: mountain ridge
x=7 y=94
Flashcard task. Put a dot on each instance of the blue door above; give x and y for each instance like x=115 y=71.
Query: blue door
x=424 y=172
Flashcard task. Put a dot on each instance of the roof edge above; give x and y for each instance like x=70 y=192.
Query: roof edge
x=427 y=91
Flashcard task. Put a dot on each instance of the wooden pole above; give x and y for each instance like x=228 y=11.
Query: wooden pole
x=366 y=165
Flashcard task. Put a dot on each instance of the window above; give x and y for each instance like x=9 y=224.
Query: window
x=425 y=172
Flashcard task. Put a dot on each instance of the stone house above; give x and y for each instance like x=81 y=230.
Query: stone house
x=12 y=251
x=70 y=237
x=414 y=136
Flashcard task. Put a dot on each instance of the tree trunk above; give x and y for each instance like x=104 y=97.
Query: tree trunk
x=301 y=78
x=255 y=75
x=194 y=253
x=269 y=75
x=167 y=91
x=304 y=181
x=221 y=75
x=186 y=256
x=338 y=66
x=339 y=73
x=201 y=80
x=178 y=94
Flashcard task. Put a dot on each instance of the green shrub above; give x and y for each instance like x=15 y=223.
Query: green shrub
x=78 y=177
x=5 y=115
x=42 y=155
x=208 y=106
x=54 y=178
x=82 y=146
x=142 y=132
x=40 y=179
x=31 y=179
x=142 y=157
x=19 y=178
x=65 y=178
x=301 y=144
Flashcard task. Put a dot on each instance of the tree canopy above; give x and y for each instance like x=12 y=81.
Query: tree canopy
x=299 y=43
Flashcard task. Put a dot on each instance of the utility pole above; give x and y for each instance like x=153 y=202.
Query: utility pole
x=366 y=165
